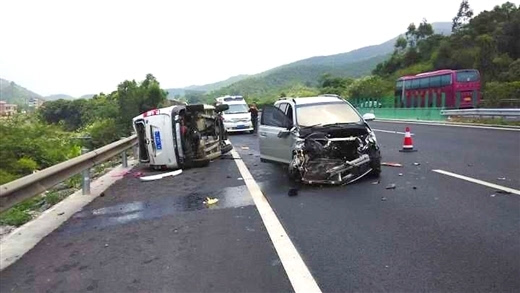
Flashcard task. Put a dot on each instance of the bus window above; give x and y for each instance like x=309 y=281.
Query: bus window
x=435 y=81
x=425 y=82
x=407 y=84
x=416 y=83
x=445 y=79
x=399 y=85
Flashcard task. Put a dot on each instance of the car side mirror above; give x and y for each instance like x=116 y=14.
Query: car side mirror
x=369 y=117
x=221 y=107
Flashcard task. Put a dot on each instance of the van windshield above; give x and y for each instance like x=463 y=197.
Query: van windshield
x=236 y=108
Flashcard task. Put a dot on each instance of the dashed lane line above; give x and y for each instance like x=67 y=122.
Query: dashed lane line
x=488 y=184
x=298 y=273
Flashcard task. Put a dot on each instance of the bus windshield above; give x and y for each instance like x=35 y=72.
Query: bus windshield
x=467 y=76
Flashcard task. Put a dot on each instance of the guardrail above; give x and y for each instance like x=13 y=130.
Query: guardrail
x=26 y=187
x=482 y=112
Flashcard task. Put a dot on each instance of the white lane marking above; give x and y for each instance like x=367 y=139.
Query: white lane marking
x=390 y=131
x=492 y=185
x=298 y=273
x=433 y=123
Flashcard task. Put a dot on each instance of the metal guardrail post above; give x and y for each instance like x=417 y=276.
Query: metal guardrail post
x=124 y=159
x=434 y=100
x=85 y=178
x=426 y=100
x=474 y=98
x=443 y=100
x=457 y=102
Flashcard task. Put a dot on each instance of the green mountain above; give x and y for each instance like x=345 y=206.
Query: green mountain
x=15 y=94
x=307 y=72
x=172 y=92
x=58 y=97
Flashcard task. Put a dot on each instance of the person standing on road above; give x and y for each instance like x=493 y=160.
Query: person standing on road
x=254 y=116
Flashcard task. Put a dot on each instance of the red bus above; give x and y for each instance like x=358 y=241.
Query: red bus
x=458 y=86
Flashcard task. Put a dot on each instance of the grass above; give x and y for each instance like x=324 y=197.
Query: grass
x=26 y=210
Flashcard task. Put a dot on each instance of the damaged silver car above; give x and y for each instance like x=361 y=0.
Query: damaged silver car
x=323 y=139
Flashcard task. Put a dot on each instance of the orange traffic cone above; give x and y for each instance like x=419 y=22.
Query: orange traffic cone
x=407 y=144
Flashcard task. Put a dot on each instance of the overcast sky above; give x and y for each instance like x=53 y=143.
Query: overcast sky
x=82 y=47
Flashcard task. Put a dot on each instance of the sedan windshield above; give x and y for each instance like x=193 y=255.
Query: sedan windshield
x=237 y=108
x=326 y=113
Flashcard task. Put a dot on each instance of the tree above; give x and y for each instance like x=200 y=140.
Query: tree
x=463 y=16
x=411 y=35
x=400 y=44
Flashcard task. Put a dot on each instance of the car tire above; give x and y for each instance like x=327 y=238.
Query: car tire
x=375 y=164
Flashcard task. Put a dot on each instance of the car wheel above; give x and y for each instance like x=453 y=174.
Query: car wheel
x=375 y=163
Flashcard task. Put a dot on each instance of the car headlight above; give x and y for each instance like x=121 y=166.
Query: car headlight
x=372 y=137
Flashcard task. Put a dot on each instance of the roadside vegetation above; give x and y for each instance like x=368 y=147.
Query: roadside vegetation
x=58 y=131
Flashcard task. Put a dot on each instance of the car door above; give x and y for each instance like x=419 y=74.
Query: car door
x=274 y=139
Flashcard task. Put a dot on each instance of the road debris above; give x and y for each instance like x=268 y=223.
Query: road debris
x=210 y=201
x=501 y=178
x=416 y=164
x=161 y=176
x=391 y=164
x=383 y=198
x=106 y=244
x=400 y=174
x=244 y=147
x=503 y=192
x=391 y=186
x=415 y=187
x=60 y=214
x=375 y=182
x=493 y=195
x=293 y=192
x=102 y=194
x=240 y=178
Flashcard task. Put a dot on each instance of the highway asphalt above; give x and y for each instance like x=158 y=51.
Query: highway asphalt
x=431 y=233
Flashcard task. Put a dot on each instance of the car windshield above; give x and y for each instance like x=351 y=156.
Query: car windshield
x=237 y=108
x=326 y=113
x=467 y=76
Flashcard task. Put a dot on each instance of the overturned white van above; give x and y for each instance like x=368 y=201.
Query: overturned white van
x=181 y=136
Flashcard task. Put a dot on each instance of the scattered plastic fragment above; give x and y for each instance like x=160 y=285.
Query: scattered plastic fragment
x=383 y=198
x=415 y=187
x=375 y=182
x=106 y=244
x=210 y=201
x=244 y=147
x=228 y=176
x=470 y=165
x=293 y=192
x=161 y=176
x=501 y=178
x=493 y=195
x=59 y=214
x=400 y=174
x=240 y=178
x=391 y=164
x=416 y=164
x=391 y=186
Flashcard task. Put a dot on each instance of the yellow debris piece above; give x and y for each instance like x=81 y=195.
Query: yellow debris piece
x=210 y=201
